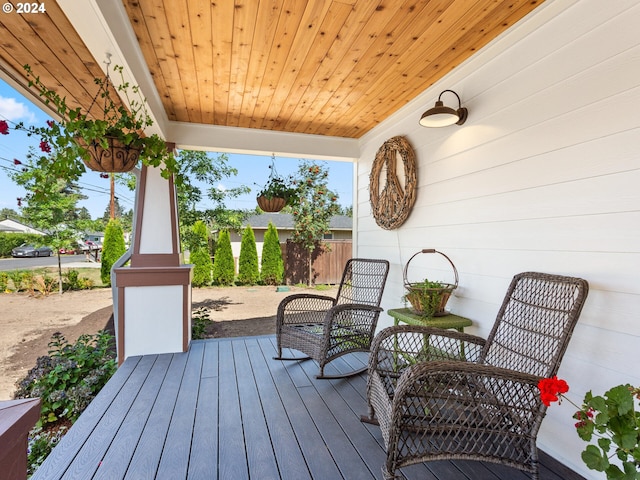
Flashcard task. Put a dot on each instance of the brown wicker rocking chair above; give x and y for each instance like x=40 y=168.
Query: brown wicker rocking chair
x=325 y=328
x=442 y=395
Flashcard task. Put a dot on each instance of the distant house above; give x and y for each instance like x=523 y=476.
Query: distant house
x=340 y=228
x=14 y=226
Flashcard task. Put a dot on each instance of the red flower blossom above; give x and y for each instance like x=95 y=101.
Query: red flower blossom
x=45 y=147
x=50 y=123
x=17 y=162
x=4 y=127
x=551 y=389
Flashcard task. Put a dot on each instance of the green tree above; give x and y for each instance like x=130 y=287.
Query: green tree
x=117 y=210
x=317 y=204
x=112 y=249
x=248 y=271
x=223 y=265
x=199 y=255
x=272 y=266
x=199 y=167
x=50 y=205
x=9 y=213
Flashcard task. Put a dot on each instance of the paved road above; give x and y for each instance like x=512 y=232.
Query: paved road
x=37 y=262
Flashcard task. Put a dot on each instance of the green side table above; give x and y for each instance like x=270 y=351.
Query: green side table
x=405 y=315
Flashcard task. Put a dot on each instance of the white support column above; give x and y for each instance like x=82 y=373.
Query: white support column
x=154 y=292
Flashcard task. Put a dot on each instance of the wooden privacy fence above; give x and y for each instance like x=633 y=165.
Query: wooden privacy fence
x=328 y=261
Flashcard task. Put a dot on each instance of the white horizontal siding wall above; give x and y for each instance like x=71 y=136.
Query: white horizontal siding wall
x=544 y=176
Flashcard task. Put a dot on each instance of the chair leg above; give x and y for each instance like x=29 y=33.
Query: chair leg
x=280 y=357
x=342 y=375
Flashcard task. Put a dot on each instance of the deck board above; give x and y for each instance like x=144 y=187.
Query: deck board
x=227 y=409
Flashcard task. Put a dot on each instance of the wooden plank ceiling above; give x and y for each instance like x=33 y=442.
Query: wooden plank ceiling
x=332 y=67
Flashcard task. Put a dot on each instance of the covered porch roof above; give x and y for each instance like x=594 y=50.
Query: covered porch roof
x=300 y=78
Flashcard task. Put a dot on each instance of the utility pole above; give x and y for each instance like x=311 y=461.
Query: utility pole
x=112 y=207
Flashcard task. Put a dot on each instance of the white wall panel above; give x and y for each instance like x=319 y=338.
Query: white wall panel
x=545 y=176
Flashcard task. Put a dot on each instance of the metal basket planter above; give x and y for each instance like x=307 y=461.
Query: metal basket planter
x=273 y=204
x=116 y=158
x=429 y=298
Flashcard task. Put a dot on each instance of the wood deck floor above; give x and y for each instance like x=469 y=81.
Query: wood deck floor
x=227 y=410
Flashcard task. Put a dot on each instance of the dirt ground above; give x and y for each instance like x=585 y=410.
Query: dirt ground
x=27 y=323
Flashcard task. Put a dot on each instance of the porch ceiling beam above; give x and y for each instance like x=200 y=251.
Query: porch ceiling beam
x=262 y=142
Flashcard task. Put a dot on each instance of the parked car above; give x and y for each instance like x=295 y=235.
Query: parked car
x=25 y=250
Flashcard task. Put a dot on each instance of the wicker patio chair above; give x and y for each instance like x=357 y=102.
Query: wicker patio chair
x=325 y=328
x=441 y=395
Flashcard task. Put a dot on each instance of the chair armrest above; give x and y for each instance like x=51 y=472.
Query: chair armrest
x=303 y=307
x=452 y=392
x=353 y=315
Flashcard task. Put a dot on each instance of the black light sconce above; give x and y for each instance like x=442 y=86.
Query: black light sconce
x=441 y=116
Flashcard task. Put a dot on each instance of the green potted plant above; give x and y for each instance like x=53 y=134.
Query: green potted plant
x=113 y=141
x=428 y=298
x=277 y=193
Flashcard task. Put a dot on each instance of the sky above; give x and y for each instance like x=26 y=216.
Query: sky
x=253 y=171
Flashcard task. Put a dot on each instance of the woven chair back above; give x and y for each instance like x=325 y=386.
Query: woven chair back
x=535 y=322
x=363 y=281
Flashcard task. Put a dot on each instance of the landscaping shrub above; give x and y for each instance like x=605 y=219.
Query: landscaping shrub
x=112 y=249
x=199 y=256
x=223 y=265
x=4 y=282
x=71 y=280
x=272 y=268
x=69 y=377
x=248 y=271
x=199 y=322
x=40 y=444
x=9 y=241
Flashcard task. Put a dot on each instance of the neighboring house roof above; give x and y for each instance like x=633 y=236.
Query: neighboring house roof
x=17 y=226
x=284 y=221
x=6 y=228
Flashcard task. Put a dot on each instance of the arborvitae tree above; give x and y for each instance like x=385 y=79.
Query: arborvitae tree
x=272 y=268
x=112 y=249
x=223 y=266
x=199 y=256
x=248 y=271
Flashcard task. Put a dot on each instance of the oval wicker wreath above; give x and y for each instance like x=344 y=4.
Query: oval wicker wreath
x=392 y=204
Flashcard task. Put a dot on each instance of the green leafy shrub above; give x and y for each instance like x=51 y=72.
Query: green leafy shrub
x=112 y=249
x=9 y=241
x=223 y=264
x=4 y=282
x=71 y=280
x=272 y=266
x=69 y=377
x=200 y=257
x=614 y=420
x=199 y=322
x=248 y=271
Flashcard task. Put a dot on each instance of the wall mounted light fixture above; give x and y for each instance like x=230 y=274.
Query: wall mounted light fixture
x=441 y=116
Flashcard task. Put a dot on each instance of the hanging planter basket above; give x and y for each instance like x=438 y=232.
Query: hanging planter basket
x=117 y=158
x=273 y=204
x=429 y=298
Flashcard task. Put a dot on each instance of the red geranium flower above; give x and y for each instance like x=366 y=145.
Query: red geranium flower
x=50 y=123
x=4 y=127
x=551 y=389
x=45 y=147
x=17 y=162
